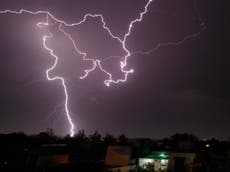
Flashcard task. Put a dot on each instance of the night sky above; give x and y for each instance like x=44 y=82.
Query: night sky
x=174 y=89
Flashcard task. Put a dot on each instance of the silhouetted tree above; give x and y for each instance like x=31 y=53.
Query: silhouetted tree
x=95 y=138
x=81 y=136
x=109 y=139
x=45 y=137
x=177 y=139
x=122 y=139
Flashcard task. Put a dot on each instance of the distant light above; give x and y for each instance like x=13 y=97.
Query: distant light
x=162 y=155
x=207 y=145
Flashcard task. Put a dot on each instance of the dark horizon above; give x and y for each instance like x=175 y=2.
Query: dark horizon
x=52 y=133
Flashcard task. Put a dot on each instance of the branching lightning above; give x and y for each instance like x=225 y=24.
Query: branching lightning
x=175 y=43
x=95 y=62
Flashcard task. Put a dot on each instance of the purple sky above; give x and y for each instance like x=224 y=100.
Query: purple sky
x=182 y=88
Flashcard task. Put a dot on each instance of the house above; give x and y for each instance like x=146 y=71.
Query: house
x=181 y=162
x=158 y=159
x=51 y=156
x=118 y=158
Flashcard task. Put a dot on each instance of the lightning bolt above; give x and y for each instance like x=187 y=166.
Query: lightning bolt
x=56 y=110
x=174 y=43
x=96 y=62
x=203 y=27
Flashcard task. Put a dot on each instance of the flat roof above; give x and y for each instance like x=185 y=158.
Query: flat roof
x=158 y=155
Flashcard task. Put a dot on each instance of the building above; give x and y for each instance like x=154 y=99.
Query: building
x=157 y=159
x=118 y=158
x=181 y=162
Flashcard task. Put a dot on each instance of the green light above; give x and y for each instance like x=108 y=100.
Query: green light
x=162 y=155
x=158 y=155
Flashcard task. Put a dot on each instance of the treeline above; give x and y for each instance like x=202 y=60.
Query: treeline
x=97 y=143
